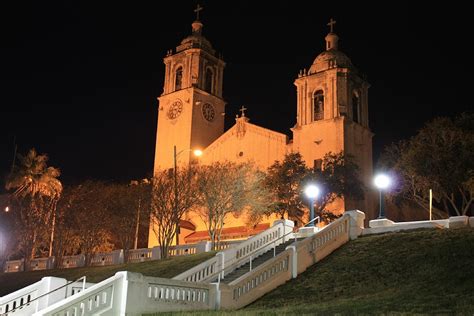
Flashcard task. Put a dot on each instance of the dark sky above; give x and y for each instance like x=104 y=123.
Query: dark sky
x=79 y=79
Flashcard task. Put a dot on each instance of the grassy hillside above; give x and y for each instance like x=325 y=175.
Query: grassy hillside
x=168 y=268
x=410 y=273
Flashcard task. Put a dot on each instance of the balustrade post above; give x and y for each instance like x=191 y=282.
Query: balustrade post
x=117 y=256
x=294 y=261
x=356 y=223
x=222 y=262
x=156 y=253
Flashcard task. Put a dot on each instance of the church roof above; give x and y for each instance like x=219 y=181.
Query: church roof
x=187 y=225
x=237 y=232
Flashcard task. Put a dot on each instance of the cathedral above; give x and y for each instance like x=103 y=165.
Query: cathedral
x=332 y=116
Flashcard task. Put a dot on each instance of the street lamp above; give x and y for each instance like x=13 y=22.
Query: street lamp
x=196 y=153
x=312 y=192
x=382 y=182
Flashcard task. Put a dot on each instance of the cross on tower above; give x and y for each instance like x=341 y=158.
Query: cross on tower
x=243 y=109
x=198 y=8
x=331 y=24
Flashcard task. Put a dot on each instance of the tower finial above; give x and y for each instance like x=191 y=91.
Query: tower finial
x=197 y=25
x=331 y=25
x=198 y=8
x=331 y=38
x=242 y=110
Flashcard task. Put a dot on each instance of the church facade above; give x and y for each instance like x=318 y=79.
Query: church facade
x=332 y=116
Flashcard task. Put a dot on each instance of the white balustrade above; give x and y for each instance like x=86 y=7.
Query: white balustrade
x=182 y=250
x=203 y=272
x=30 y=299
x=114 y=257
x=107 y=258
x=73 y=261
x=133 y=294
x=228 y=244
x=256 y=245
x=256 y=283
x=279 y=269
x=97 y=299
x=42 y=263
x=14 y=266
x=140 y=255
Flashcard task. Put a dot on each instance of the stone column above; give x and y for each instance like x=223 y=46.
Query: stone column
x=356 y=224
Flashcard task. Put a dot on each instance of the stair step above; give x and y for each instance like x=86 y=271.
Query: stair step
x=257 y=261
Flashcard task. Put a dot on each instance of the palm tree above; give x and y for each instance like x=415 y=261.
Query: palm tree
x=32 y=179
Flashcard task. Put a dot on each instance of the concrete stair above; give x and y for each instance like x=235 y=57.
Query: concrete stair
x=237 y=273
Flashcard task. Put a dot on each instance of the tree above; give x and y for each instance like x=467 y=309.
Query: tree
x=338 y=177
x=225 y=188
x=38 y=184
x=440 y=157
x=168 y=209
x=284 y=181
x=128 y=206
x=90 y=214
x=67 y=241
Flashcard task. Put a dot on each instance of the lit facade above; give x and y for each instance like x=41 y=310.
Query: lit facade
x=332 y=116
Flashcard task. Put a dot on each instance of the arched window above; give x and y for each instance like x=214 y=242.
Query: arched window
x=208 y=81
x=356 y=107
x=178 y=79
x=318 y=105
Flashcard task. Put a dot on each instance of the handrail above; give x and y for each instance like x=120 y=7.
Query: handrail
x=229 y=255
x=251 y=254
x=83 y=278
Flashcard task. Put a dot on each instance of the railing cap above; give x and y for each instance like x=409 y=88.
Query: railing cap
x=285 y=222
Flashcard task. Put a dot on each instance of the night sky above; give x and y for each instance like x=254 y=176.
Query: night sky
x=79 y=80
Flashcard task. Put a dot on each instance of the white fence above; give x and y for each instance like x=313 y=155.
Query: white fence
x=133 y=294
x=378 y=226
x=258 y=244
x=288 y=264
x=39 y=295
x=111 y=258
x=73 y=261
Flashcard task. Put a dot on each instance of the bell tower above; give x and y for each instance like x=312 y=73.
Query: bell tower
x=191 y=108
x=332 y=113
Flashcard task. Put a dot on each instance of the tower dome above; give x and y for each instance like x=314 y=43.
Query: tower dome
x=196 y=39
x=331 y=57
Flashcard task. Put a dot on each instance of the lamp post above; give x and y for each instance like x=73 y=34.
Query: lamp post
x=312 y=192
x=196 y=153
x=382 y=182
x=139 y=189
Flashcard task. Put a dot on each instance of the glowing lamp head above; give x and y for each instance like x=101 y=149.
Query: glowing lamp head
x=197 y=153
x=382 y=181
x=311 y=191
x=7 y=209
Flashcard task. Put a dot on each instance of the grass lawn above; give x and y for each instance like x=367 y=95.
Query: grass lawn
x=421 y=272
x=167 y=268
